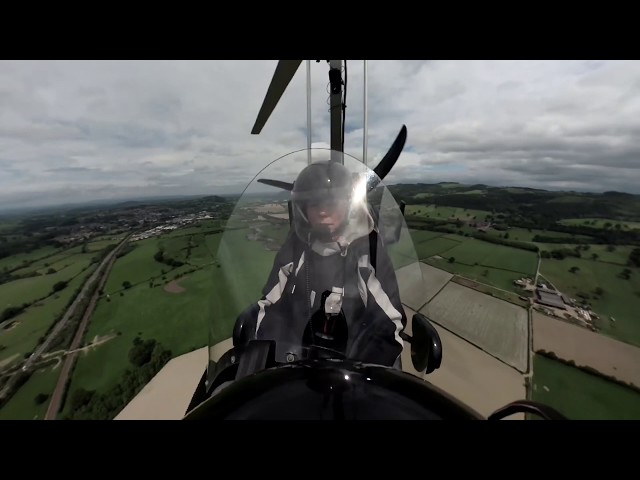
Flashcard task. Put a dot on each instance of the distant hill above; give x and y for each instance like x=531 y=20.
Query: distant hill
x=541 y=206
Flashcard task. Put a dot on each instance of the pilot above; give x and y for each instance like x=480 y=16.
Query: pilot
x=333 y=254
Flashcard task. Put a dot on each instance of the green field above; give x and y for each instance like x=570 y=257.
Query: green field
x=495 y=256
x=580 y=395
x=436 y=246
x=619 y=300
x=491 y=276
x=485 y=262
x=524 y=235
x=22 y=406
x=444 y=213
x=139 y=267
x=22 y=337
x=99 y=245
x=14 y=261
x=26 y=290
x=58 y=261
x=179 y=321
x=600 y=223
x=619 y=255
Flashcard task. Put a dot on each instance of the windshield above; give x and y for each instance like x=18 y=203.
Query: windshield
x=316 y=255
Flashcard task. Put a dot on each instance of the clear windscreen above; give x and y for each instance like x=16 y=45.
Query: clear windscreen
x=318 y=258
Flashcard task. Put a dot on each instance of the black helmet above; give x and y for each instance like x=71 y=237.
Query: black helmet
x=319 y=183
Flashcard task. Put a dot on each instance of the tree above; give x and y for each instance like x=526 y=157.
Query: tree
x=574 y=269
x=126 y=284
x=452 y=259
x=40 y=398
x=594 y=256
x=59 y=286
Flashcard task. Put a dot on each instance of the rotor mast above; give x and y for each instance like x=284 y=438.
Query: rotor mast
x=335 y=84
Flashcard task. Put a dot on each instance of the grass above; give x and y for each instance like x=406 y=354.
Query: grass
x=580 y=395
x=436 y=246
x=23 y=336
x=137 y=266
x=16 y=260
x=22 y=405
x=600 y=223
x=57 y=262
x=206 y=311
x=26 y=290
x=491 y=276
x=99 y=245
x=495 y=256
x=620 y=299
x=524 y=235
x=484 y=262
x=444 y=213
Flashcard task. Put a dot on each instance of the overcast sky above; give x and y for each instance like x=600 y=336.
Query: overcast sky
x=72 y=131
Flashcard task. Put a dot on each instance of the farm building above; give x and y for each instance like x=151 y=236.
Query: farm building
x=549 y=298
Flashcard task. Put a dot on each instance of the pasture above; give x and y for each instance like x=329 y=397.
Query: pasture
x=23 y=336
x=27 y=290
x=600 y=223
x=444 y=213
x=204 y=310
x=497 y=327
x=619 y=298
x=567 y=341
x=23 y=405
x=501 y=257
x=580 y=395
x=15 y=261
x=139 y=267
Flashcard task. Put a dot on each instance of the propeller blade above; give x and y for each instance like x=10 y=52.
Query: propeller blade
x=285 y=71
x=277 y=183
x=389 y=160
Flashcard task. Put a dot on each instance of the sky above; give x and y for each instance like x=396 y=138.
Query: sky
x=77 y=131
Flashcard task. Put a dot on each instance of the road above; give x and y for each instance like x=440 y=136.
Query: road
x=56 y=398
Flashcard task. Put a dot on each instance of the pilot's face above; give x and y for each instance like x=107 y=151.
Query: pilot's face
x=327 y=213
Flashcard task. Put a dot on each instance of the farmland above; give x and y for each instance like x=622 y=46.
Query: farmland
x=617 y=297
x=473 y=376
x=580 y=395
x=179 y=319
x=609 y=356
x=495 y=326
x=30 y=402
x=169 y=285
x=45 y=295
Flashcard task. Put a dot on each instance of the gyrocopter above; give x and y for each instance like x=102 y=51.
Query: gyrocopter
x=314 y=304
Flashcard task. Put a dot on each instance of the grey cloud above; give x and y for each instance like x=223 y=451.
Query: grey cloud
x=122 y=128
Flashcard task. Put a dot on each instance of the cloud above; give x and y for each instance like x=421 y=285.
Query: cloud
x=73 y=130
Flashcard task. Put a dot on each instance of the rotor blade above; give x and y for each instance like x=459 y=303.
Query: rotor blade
x=389 y=160
x=277 y=183
x=285 y=71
